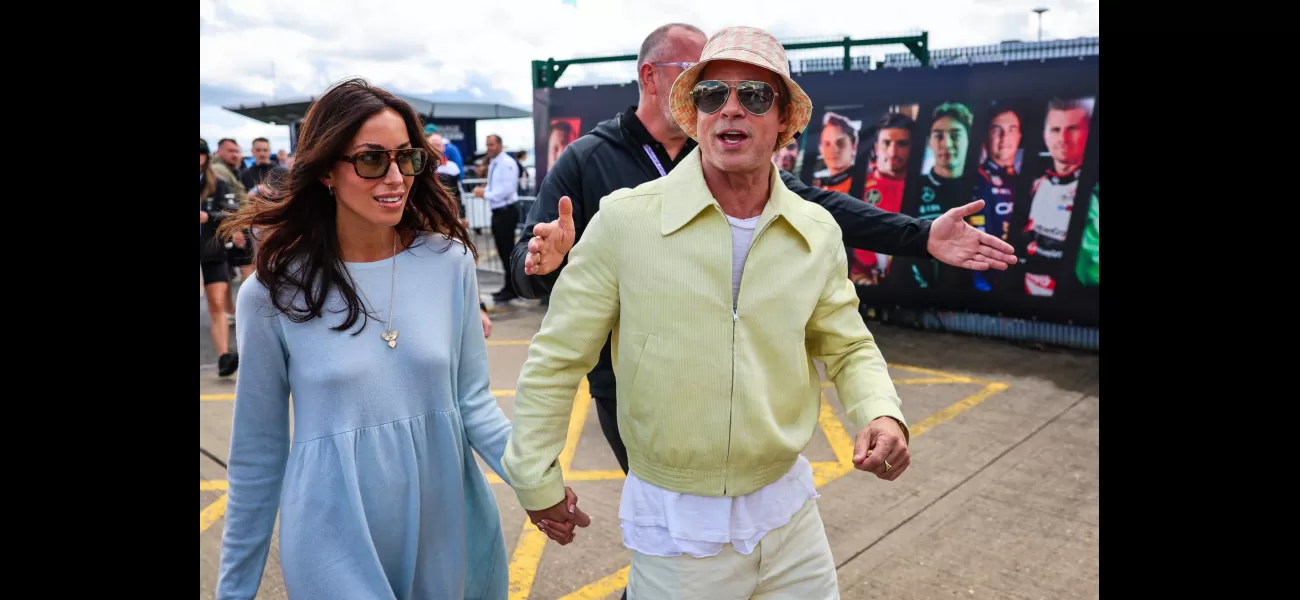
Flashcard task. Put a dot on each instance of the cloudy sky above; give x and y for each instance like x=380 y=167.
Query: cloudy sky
x=260 y=50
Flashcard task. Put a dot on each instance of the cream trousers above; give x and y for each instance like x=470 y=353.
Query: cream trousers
x=791 y=562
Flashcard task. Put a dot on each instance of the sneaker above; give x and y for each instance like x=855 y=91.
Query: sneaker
x=227 y=364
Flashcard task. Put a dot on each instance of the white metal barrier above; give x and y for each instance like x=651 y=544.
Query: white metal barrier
x=479 y=214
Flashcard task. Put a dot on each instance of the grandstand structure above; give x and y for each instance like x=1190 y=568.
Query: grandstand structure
x=831 y=54
x=1003 y=52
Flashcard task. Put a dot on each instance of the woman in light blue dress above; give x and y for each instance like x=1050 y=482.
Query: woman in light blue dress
x=365 y=309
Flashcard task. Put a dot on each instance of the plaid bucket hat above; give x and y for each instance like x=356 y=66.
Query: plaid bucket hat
x=748 y=45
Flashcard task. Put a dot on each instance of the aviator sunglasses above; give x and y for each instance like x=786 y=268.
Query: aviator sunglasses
x=374 y=164
x=756 y=96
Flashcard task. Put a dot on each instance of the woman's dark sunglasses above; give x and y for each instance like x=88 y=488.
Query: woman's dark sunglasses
x=374 y=164
x=756 y=96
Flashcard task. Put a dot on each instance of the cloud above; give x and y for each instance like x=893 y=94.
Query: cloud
x=252 y=50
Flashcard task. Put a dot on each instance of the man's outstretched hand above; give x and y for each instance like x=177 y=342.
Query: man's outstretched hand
x=558 y=521
x=551 y=242
x=956 y=242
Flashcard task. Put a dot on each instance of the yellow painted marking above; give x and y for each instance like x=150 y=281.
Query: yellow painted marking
x=934 y=372
x=826 y=472
x=841 y=444
x=214 y=486
x=920 y=380
x=924 y=380
x=509 y=342
x=503 y=392
x=532 y=541
x=212 y=513
x=595 y=475
x=958 y=408
x=603 y=587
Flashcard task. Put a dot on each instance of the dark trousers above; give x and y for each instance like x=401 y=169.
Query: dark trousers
x=504 y=222
x=607 y=411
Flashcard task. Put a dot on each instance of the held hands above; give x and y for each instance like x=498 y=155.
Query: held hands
x=551 y=242
x=956 y=242
x=881 y=448
x=557 y=522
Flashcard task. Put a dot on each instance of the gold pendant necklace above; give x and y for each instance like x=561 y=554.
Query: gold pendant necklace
x=389 y=335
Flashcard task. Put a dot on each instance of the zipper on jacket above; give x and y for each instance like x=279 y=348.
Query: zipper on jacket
x=735 y=322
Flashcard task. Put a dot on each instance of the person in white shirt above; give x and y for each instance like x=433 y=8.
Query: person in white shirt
x=502 y=194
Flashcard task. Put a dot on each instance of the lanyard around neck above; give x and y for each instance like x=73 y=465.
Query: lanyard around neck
x=654 y=159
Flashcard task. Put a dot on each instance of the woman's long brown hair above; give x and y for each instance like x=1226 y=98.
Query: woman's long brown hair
x=298 y=257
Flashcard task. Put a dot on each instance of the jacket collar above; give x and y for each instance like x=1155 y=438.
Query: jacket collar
x=686 y=195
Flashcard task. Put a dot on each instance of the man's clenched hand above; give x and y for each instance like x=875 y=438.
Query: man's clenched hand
x=881 y=448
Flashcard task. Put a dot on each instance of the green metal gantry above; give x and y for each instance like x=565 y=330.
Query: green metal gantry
x=547 y=72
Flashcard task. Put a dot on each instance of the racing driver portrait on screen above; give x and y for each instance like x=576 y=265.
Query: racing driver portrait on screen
x=1065 y=132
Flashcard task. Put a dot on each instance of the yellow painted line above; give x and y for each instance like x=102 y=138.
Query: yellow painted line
x=942 y=378
x=840 y=439
x=823 y=472
x=922 y=380
x=936 y=373
x=528 y=550
x=958 y=408
x=214 y=486
x=595 y=475
x=212 y=513
x=503 y=392
x=509 y=342
x=604 y=587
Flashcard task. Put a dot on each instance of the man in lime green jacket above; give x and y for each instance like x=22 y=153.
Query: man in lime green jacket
x=720 y=287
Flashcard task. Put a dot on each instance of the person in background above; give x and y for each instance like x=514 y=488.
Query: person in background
x=525 y=180
x=363 y=311
x=216 y=200
x=228 y=167
x=448 y=174
x=263 y=167
x=502 y=194
x=452 y=153
x=231 y=156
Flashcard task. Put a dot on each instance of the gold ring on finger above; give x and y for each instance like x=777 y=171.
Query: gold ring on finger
x=887 y=466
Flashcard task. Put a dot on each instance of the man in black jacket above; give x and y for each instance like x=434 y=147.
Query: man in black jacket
x=645 y=143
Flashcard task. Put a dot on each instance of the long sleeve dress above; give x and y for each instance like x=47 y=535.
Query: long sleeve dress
x=379 y=495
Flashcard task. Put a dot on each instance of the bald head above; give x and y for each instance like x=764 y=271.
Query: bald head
x=669 y=43
x=672 y=43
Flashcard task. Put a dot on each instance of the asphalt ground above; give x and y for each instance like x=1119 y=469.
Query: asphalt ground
x=1001 y=500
